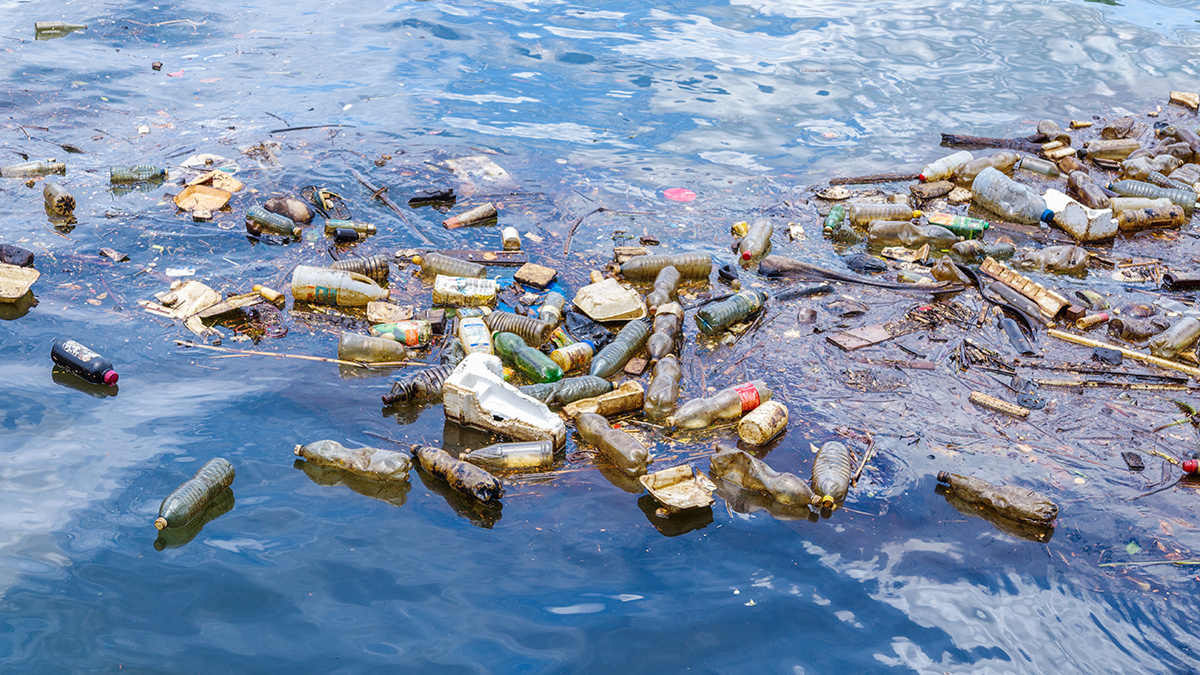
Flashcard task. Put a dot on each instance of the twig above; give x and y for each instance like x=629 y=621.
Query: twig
x=1154 y=492
x=1147 y=563
x=378 y=192
x=305 y=357
x=571 y=232
x=314 y=126
x=866 y=456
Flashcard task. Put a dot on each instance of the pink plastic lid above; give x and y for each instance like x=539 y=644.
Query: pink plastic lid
x=110 y=377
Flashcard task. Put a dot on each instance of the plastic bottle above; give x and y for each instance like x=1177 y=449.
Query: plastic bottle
x=433 y=264
x=32 y=169
x=831 y=472
x=666 y=288
x=1171 y=216
x=135 y=174
x=1003 y=196
x=624 y=451
x=624 y=346
x=371 y=463
x=178 y=537
x=358 y=226
x=344 y=236
x=750 y=473
x=1156 y=178
x=462 y=476
x=366 y=349
x=944 y=167
x=1136 y=330
x=423 y=386
x=1188 y=173
x=189 y=499
x=727 y=404
x=1087 y=192
x=1179 y=337
x=373 y=267
x=647 y=267
x=861 y=214
x=59 y=202
x=845 y=234
x=663 y=391
x=1184 y=135
x=1012 y=502
x=510 y=239
x=1141 y=167
x=1016 y=338
x=1003 y=161
x=259 y=219
x=464 y=291
x=974 y=250
x=967 y=228
x=475 y=335
x=667 y=324
x=326 y=286
x=836 y=215
x=719 y=315
x=763 y=423
x=573 y=356
x=884 y=233
x=1068 y=259
x=484 y=214
x=756 y=242
x=412 y=333
x=1039 y=166
x=568 y=390
x=551 y=311
x=83 y=362
x=534 y=365
x=1134 y=188
x=533 y=331
x=1116 y=149
x=527 y=456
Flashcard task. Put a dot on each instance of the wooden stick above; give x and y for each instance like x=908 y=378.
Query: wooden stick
x=953 y=140
x=1145 y=358
x=305 y=357
x=378 y=192
x=980 y=398
x=866 y=456
x=875 y=178
x=571 y=232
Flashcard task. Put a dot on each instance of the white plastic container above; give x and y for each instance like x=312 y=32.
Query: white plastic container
x=476 y=395
x=326 y=286
x=474 y=334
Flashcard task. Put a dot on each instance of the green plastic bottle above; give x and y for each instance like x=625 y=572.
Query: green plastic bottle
x=534 y=365
x=967 y=228
x=723 y=314
x=836 y=215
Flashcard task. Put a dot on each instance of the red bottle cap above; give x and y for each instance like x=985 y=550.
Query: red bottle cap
x=1191 y=466
x=921 y=177
x=746 y=255
x=110 y=377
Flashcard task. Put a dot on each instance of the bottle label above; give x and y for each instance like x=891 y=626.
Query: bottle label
x=749 y=395
x=323 y=295
x=573 y=356
x=78 y=351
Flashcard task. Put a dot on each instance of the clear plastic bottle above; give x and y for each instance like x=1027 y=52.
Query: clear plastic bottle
x=533 y=331
x=326 y=286
x=371 y=463
x=510 y=239
x=665 y=333
x=896 y=233
x=1039 y=166
x=33 y=169
x=358 y=226
x=944 y=167
x=1005 y=197
x=423 y=386
x=464 y=291
x=1179 y=337
x=366 y=349
x=568 y=390
x=526 y=456
x=136 y=174
x=574 y=356
x=475 y=335
x=1156 y=178
x=624 y=346
x=664 y=388
x=1172 y=217
x=861 y=214
x=831 y=472
x=647 y=267
x=727 y=404
x=462 y=476
x=1115 y=150
x=534 y=365
x=750 y=473
x=59 y=202
x=1134 y=188
x=1003 y=161
x=666 y=288
x=373 y=267
x=1141 y=167
x=720 y=315
x=624 y=451
x=1120 y=205
x=551 y=311
x=83 y=362
x=259 y=220
x=756 y=242
x=433 y=264
x=974 y=250
x=963 y=226
x=188 y=500
x=844 y=233
x=412 y=333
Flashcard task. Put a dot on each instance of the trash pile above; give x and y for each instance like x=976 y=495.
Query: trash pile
x=510 y=355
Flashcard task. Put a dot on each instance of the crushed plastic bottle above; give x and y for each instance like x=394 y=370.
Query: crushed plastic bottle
x=943 y=168
x=884 y=233
x=831 y=474
x=82 y=362
x=413 y=333
x=551 y=311
x=326 y=286
x=1012 y=502
x=423 y=386
x=1065 y=259
x=1002 y=161
x=374 y=267
x=663 y=391
x=1140 y=168
x=720 y=315
x=366 y=349
x=534 y=332
x=756 y=241
x=1003 y=196
x=624 y=451
x=728 y=404
x=668 y=323
x=574 y=356
x=749 y=473
x=526 y=456
x=862 y=214
x=1136 y=330
x=568 y=390
x=462 y=476
x=647 y=267
x=1178 y=338
x=372 y=463
x=534 y=365
x=436 y=264
x=464 y=291
x=613 y=357
x=666 y=288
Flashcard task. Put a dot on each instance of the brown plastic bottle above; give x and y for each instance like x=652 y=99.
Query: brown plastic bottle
x=1172 y=217
x=665 y=333
x=373 y=267
x=664 y=388
x=1010 y=501
x=433 y=264
x=666 y=288
x=365 y=349
x=624 y=451
x=1080 y=185
x=647 y=267
x=1180 y=336
x=831 y=474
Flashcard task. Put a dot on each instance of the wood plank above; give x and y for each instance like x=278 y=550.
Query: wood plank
x=860 y=337
x=980 y=398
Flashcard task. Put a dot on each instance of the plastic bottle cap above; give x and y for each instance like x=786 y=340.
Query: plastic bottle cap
x=916 y=214
x=1047 y=216
x=921 y=177
x=110 y=377
x=1082 y=153
x=746 y=255
x=1191 y=466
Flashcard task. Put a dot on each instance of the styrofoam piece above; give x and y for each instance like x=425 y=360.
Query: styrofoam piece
x=1079 y=221
x=609 y=301
x=476 y=395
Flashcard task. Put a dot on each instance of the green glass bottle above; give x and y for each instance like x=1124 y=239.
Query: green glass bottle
x=534 y=365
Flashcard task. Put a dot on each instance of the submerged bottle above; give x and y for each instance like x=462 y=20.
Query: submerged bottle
x=135 y=174
x=534 y=365
x=719 y=315
x=1143 y=219
x=1133 y=188
x=568 y=390
x=831 y=474
x=533 y=331
x=666 y=288
x=334 y=224
x=884 y=233
x=371 y=463
x=974 y=250
x=475 y=335
x=189 y=499
x=462 y=476
x=1012 y=502
x=366 y=349
x=967 y=228
x=574 y=356
x=944 y=167
x=58 y=201
x=689 y=266
x=861 y=214
x=624 y=451
x=527 y=456
x=1003 y=161
x=433 y=264
x=83 y=362
x=663 y=391
x=756 y=240
x=413 y=333
x=373 y=267
x=667 y=324
x=1179 y=337
x=326 y=286
x=1003 y=196
x=259 y=220
x=551 y=311
x=845 y=234
x=1136 y=330
x=750 y=473
x=464 y=291
x=1141 y=167
x=727 y=404
x=624 y=346
x=423 y=386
